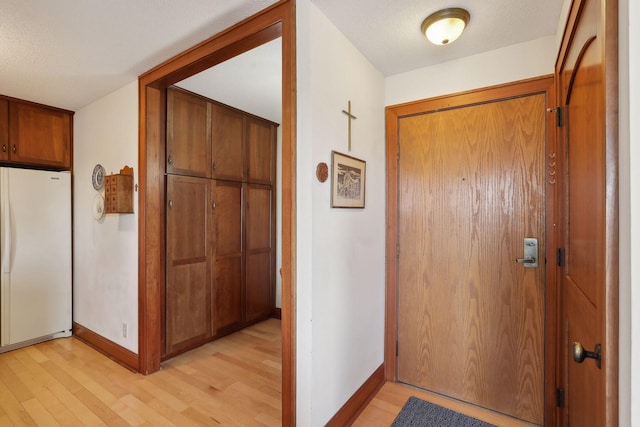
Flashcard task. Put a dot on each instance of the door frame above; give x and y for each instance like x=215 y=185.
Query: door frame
x=544 y=85
x=275 y=21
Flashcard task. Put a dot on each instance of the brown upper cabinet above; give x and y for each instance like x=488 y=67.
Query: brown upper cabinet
x=209 y=139
x=34 y=134
x=4 y=129
x=229 y=144
x=188 y=134
x=261 y=151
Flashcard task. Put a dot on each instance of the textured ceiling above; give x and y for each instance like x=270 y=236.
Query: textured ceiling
x=69 y=53
x=388 y=32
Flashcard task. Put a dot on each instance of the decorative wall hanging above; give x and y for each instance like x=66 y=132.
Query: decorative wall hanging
x=97 y=177
x=322 y=172
x=348 y=176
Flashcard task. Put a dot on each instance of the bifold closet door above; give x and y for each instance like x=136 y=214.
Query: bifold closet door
x=259 y=241
x=228 y=271
x=189 y=255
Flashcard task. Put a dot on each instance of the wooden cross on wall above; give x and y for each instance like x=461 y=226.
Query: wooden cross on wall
x=351 y=117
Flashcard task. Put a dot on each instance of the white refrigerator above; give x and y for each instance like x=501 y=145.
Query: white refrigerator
x=35 y=256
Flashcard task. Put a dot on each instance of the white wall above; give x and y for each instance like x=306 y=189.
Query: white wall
x=105 y=288
x=517 y=62
x=344 y=290
x=304 y=215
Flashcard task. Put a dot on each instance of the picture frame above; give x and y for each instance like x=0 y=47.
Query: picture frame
x=348 y=181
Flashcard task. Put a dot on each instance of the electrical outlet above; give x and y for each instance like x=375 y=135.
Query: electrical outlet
x=124 y=330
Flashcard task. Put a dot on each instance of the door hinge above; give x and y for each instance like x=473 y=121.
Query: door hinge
x=398 y=151
x=560 y=257
x=396 y=348
x=559 y=397
x=559 y=118
x=398 y=251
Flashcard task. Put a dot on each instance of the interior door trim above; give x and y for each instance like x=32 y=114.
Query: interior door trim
x=275 y=21
x=544 y=84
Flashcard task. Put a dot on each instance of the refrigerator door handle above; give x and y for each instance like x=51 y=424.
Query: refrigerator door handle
x=6 y=224
x=9 y=243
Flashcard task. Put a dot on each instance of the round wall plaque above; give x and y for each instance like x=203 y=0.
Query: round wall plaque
x=322 y=172
x=97 y=178
x=98 y=207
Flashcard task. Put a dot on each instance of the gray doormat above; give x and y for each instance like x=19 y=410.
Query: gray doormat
x=418 y=413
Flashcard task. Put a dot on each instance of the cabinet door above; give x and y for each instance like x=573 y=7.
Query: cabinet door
x=188 y=134
x=228 y=144
x=4 y=129
x=261 y=151
x=188 y=282
x=39 y=135
x=260 y=260
x=228 y=277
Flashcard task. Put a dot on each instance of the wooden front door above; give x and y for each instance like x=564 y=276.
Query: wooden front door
x=471 y=185
x=587 y=95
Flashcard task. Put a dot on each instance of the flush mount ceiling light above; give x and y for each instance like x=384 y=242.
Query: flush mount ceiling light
x=446 y=25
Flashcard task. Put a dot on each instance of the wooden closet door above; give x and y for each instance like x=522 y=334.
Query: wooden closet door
x=228 y=144
x=188 y=134
x=261 y=151
x=259 y=240
x=228 y=271
x=189 y=254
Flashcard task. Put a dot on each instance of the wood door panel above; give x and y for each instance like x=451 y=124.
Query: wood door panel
x=259 y=217
x=188 y=307
x=261 y=151
x=585 y=162
x=189 y=254
x=471 y=188
x=228 y=129
x=228 y=200
x=260 y=278
x=188 y=134
x=259 y=285
x=188 y=218
x=39 y=135
x=228 y=284
x=228 y=293
x=586 y=386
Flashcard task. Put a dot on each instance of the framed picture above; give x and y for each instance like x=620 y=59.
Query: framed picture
x=348 y=176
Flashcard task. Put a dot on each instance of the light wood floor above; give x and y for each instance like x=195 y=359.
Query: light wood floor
x=233 y=381
x=388 y=402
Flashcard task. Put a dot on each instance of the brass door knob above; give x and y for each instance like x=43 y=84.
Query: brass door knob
x=579 y=353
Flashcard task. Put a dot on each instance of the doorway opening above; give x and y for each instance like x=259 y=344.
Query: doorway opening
x=274 y=22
